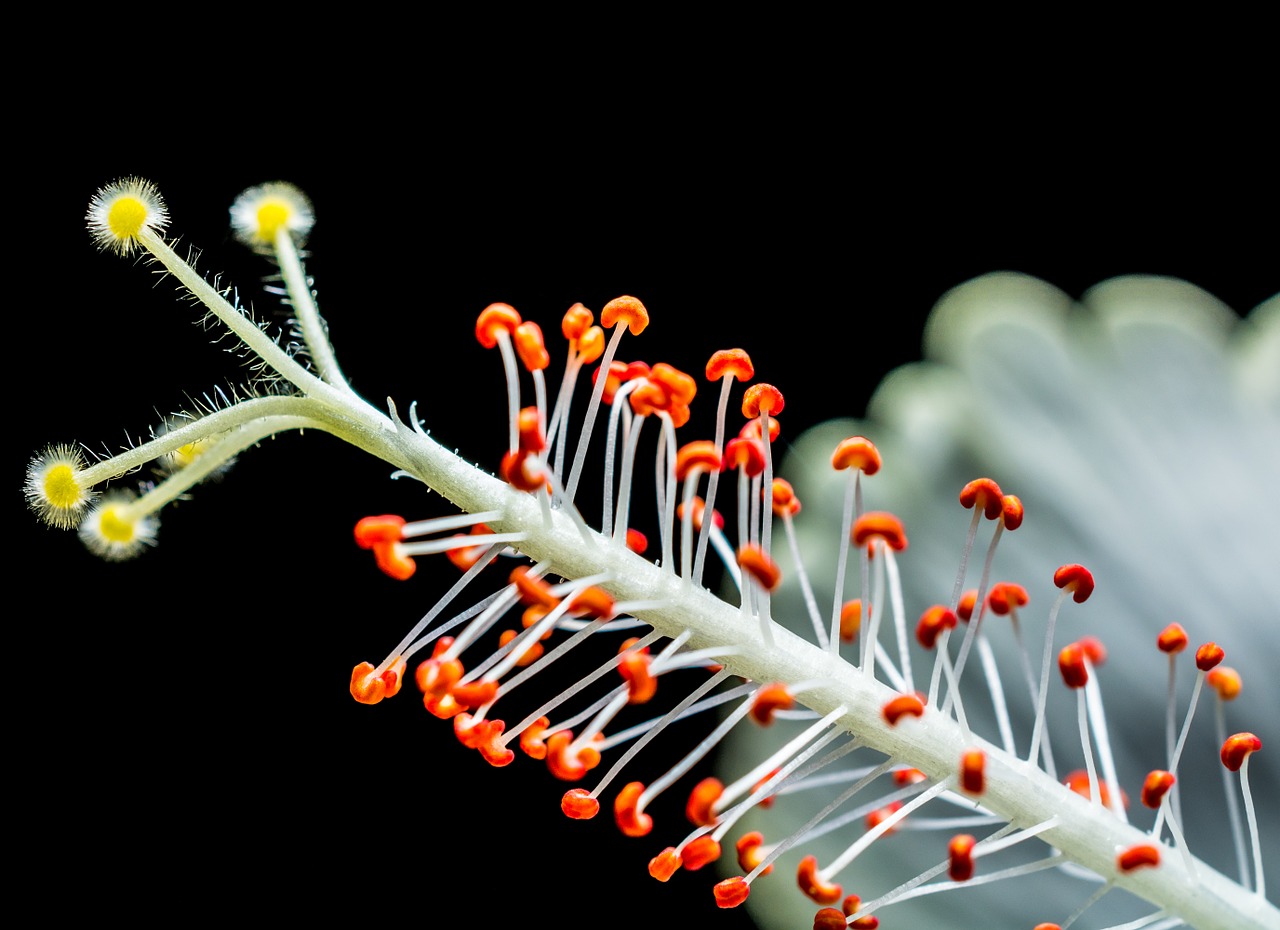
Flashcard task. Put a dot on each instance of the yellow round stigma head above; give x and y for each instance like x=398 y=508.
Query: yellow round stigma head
x=259 y=214
x=115 y=531
x=120 y=212
x=53 y=488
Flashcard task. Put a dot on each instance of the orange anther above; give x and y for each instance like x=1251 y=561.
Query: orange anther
x=531 y=739
x=745 y=454
x=475 y=693
x=1011 y=512
x=1138 y=857
x=1048 y=927
x=443 y=706
x=829 y=918
x=701 y=801
x=530 y=346
x=908 y=776
x=785 y=502
x=822 y=892
x=631 y=821
x=699 y=505
x=561 y=765
x=850 y=907
x=731 y=892
x=880 y=815
x=1224 y=680
x=522 y=471
x=932 y=622
x=701 y=454
x=753 y=561
x=1094 y=650
x=664 y=864
x=1237 y=748
x=680 y=387
x=770 y=698
x=762 y=397
x=894 y=709
x=613 y=380
x=699 y=852
x=679 y=414
x=750 y=848
x=1071 y=663
x=973 y=771
x=1005 y=597
x=578 y=804
x=390 y=558
x=592 y=602
x=877 y=524
x=1209 y=655
x=648 y=399
x=850 y=619
x=634 y=669
x=368 y=688
x=382 y=529
x=591 y=347
x=531 y=589
x=494 y=319
x=751 y=430
x=984 y=493
x=436 y=676
x=1172 y=639
x=968 y=600
x=856 y=452
x=529 y=429
x=1075 y=578
x=960 y=855
x=730 y=363
x=464 y=556
x=625 y=310
x=484 y=736
x=529 y=655
x=1156 y=786
x=577 y=320
x=1078 y=781
x=637 y=542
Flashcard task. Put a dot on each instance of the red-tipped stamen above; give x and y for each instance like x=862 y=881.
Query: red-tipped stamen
x=1075 y=580
x=1235 y=754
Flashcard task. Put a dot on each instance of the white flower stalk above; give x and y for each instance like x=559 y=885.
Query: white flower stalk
x=701 y=647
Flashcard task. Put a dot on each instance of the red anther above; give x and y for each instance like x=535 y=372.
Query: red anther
x=770 y=698
x=932 y=622
x=528 y=655
x=443 y=706
x=1172 y=639
x=960 y=854
x=1075 y=578
x=578 y=804
x=762 y=397
x=731 y=892
x=822 y=892
x=829 y=919
x=968 y=600
x=850 y=619
x=368 y=688
x=880 y=815
x=613 y=380
x=484 y=736
x=1005 y=597
x=699 y=505
x=751 y=430
x=701 y=454
x=908 y=776
x=1237 y=748
x=699 y=852
x=877 y=524
x=633 y=370
x=1011 y=512
x=850 y=907
x=383 y=529
x=701 y=801
x=984 y=493
x=436 y=676
x=1071 y=663
x=628 y=817
x=1156 y=786
x=680 y=387
x=664 y=864
x=577 y=320
x=592 y=602
x=637 y=542
x=894 y=710
x=529 y=428
x=389 y=557
x=591 y=346
x=1224 y=680
x=746 y=454
x=634 y=669
x=973 y=771
x=856 y=452
x=475 y=693
x=648 y=399
x=1078 y=781
x=531 y=739
x=625 y=310
x=734 y=363
x=522 y=471
x=464 y=556
x=1209 y=655
x=1138 y=857
x=753 y=561
x=750 y=848
x=1048 y=927
x=679 y=414
x=493 y=319
x=785 y=502
x=530 y=346
x=1094 y=650
x=469 y=733
x=561 y=765
x=532 y=589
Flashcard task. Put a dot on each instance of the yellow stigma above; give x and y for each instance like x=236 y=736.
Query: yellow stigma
x=272 y=216
x=115 y=528
x=126 y=217
x=61 y=489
